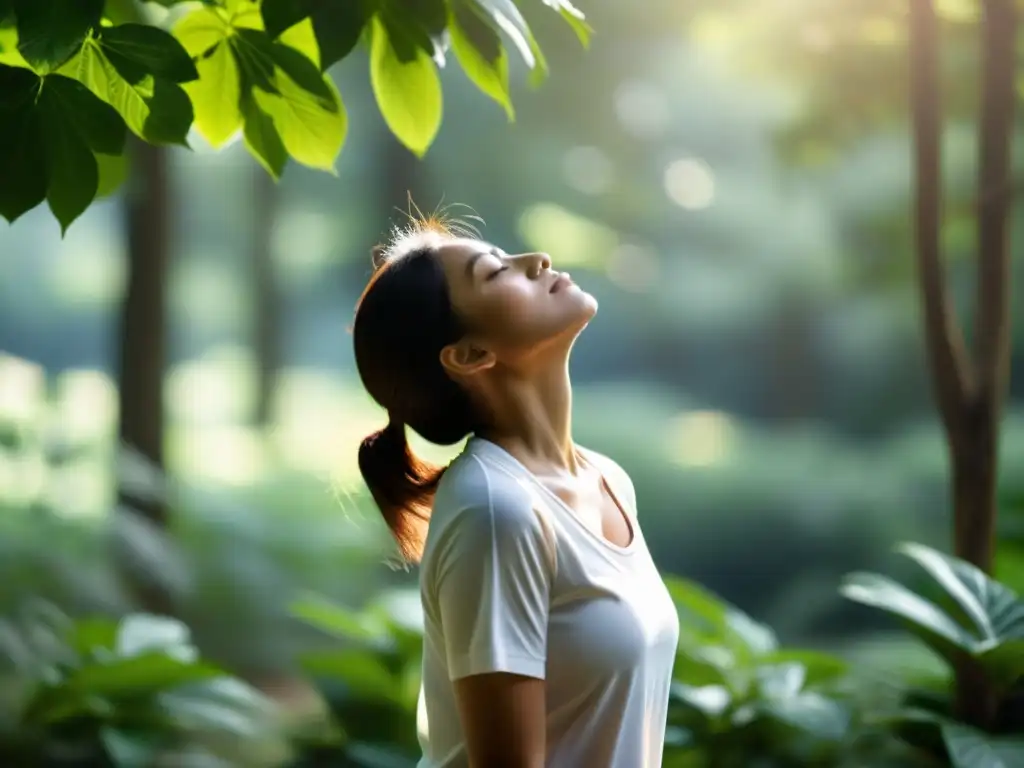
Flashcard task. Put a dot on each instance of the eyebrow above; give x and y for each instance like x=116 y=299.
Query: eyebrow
x=477 y=256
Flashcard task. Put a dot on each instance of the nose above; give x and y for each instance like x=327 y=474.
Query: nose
x=535 y=263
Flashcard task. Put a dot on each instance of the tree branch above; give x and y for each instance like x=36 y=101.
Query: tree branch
x=992 y=322
x=951 y=369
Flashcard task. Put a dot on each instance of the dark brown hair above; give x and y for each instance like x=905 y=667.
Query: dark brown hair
x=403 y=321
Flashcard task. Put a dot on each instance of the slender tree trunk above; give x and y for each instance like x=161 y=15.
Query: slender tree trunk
x=976 y=533
x=142 y=346
x=969 y=389
x=267 y=299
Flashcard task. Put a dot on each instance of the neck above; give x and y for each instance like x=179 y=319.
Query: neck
x=532 y=417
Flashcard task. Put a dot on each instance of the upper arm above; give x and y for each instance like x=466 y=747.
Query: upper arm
x=492 y=584
x=504 y=720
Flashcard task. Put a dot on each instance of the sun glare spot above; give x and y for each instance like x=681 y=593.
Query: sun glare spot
x=690 y=184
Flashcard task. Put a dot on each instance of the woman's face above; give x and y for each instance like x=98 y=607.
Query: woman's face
x=512 y=305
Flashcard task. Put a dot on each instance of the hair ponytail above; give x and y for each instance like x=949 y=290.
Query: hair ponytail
x=403 y=320
x=402 y=485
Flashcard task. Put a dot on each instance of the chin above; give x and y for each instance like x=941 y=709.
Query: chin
x=587 y=310
x=588 y=304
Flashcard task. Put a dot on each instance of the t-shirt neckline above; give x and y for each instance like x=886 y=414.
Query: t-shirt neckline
x=503 y=456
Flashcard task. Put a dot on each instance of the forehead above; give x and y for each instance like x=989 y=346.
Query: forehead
x=458 y=255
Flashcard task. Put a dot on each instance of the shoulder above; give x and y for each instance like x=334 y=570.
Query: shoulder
x=478 y=500
x=471 y=482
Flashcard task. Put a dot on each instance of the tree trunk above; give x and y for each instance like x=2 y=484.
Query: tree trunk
x=142 y=346
x=969 y=389
x=267 y=307
x=975 y=527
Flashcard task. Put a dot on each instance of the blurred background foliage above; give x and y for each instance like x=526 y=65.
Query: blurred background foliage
x=730 y=179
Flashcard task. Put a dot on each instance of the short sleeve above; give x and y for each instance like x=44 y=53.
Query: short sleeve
x=492 y=587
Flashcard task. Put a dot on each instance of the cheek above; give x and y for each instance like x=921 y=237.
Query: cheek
x=503 y=311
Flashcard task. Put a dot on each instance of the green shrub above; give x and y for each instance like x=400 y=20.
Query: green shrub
x=973 y=620
x=95 y=693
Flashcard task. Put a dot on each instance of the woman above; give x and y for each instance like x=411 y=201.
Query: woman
x=549 y=634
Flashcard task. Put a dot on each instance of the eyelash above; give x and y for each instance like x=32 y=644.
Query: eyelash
x=496 y=273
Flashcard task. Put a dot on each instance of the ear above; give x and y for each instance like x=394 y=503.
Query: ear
x=463 y=358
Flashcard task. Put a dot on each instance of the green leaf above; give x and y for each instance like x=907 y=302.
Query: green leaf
x=142 y=632
x=22 y=156
x=264 y=55
x=294 y=105
x=992 y=609
x=146 y=50
x=71 y=172
x=122 y=12
x=337 y=24
x=924 y=618
x=697 y=607
x=702 y=664
x=302 y=38
x=312 y=129
x=101 y=127
x=820 y=667
x=276 y=92
x=780 y=681
x=51 y=31
x=141 y=675
x=1010 y=565
x=540 y=70
x=113 y=170
x=279 y=15
x=50 y=129
x=478 y=48
x=1004 y=663
x=508 y=19
x=363 y=673
x=755 y=637
x=216 y=95
x=130 y=750
x=262 y=138
x=406 y=86
x=335 y=620
x=969 y=748
x=811 y=712
x=710 y=700
x=200 y=32
x=155 y=109
x=574 y=18
x=9 y=54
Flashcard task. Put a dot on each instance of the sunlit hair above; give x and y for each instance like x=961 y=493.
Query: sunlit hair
x=422 y=230
x=404 y=319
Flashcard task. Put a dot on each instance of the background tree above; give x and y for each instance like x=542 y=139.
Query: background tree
x=850 y=57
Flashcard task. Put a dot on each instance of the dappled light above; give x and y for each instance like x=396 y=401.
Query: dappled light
x=799 y=220
x=576 y=239
x=643 y=109
x=690 y=184
x=701 y=439
x=22 y=388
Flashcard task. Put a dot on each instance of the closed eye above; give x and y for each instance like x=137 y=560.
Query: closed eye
x=497 y=272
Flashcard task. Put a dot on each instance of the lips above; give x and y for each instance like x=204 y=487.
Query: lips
x=562 y=281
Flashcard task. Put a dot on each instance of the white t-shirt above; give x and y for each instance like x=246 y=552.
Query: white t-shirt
x=512 y=580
